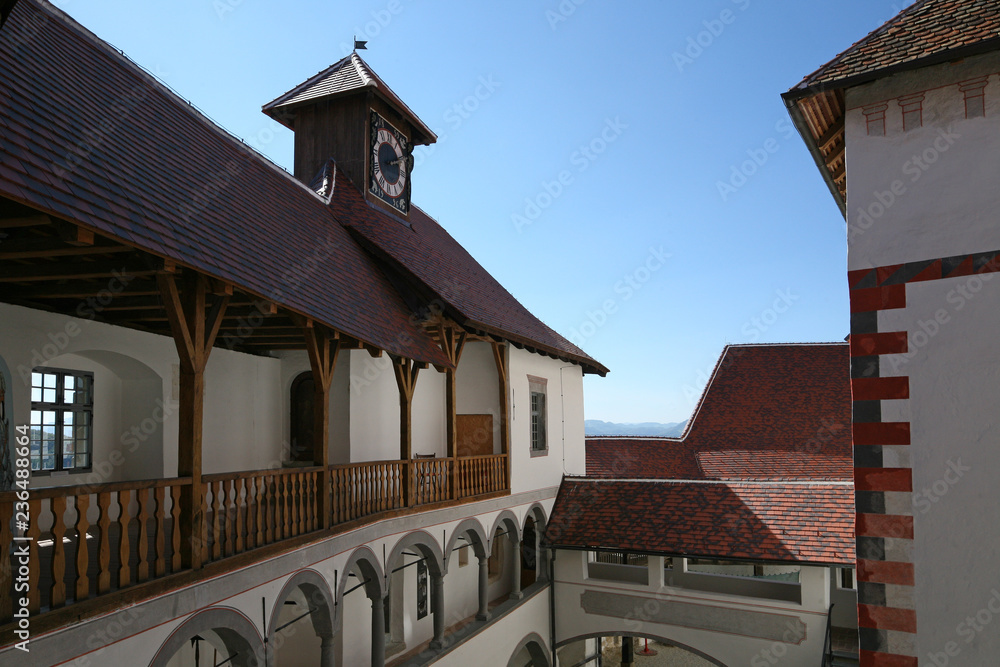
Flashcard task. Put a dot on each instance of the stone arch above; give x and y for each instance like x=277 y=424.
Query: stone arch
x=425 y=544
x=477 y=535
x=318 y=595
x=536 y=512
x=536 y=649
x=231 y=629
x=367 y=562
x=647 y=635
x=508 y=520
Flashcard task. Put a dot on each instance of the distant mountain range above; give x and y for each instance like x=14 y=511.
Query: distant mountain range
x=655 y=429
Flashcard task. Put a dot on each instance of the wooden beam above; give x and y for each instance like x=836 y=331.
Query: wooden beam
x=194 y=328
x=406 y=372
x=452 y=342
x=31 y=221
x=17 y=273
x=500 y=359
x=322 y=348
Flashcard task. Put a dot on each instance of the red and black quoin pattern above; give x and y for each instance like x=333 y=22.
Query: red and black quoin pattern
x=883 y=489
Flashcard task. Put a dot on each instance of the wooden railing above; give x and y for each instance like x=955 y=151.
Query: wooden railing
x=430 y=480
x=88 y=540
x=363 y=489
x=481 y=474
x=245 y=510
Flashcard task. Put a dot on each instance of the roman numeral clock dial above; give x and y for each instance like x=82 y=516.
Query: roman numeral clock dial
x=390 y=162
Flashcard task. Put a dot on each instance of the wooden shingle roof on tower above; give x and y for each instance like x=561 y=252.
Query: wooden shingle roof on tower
x=928 y=32
x=347 y=76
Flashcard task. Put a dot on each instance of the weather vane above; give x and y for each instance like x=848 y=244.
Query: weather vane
x=359 y=45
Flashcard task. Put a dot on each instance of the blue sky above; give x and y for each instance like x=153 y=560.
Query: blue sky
x=626 y=169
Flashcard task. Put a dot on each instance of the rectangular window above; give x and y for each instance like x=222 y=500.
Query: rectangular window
x=847 y=578
x=539 y=432
x=62 y=413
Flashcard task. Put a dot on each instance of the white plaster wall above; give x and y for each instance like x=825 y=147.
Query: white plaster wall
x=496 y=646
x=899 y=210
x=954 y=371
x=357 y=626
x=374 y=408
x=564 y=398
x=476 y=384
x=134 y=385
x=571 y=582
x=429 y=434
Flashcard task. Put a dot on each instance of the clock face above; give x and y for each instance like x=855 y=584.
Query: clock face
x=390 y=164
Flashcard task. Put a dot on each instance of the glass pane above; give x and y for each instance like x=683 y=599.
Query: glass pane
x=82 y=460
x=67 y=433
x=36 y=394
x=36 y=379
x=68 y=381
x=68 y=418
x=49 y=380
x=49 y=433
x=67 y=461
x=36 y=417
x=82 y=431
x=49 y=395
x=49 y=417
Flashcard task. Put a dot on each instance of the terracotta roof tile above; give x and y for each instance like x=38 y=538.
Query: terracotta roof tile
x=809 y=523
x=764 y=470
x=925 y=28
x=769 y=411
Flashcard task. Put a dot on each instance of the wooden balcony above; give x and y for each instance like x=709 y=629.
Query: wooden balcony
x=88 y=542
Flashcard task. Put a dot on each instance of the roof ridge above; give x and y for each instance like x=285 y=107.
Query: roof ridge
x=335 y=67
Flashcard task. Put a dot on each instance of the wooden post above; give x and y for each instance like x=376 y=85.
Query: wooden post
x=500 y=358
x=406 y=371
x=323 y=349
x=194 y=333
x=452 y=343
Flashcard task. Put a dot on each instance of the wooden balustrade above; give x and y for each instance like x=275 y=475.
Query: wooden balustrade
x=478 y=475
x=363 y=489
x=82 y=535
x=246 y=510
x=431 y=481
x=90 y=540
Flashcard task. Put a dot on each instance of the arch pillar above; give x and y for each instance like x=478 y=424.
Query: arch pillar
x=328 y=651
x=484 y=585
x=378 y=631
x=515 y=590
x=437 y=601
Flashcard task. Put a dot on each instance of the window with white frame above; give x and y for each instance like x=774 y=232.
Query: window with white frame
x=62 y=414
x=539 y=428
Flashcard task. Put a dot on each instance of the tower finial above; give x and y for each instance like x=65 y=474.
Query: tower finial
x=359 y=45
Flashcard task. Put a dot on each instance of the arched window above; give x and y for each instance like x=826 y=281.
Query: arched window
x=302 y=395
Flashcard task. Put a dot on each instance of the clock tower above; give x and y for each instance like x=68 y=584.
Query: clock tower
x=348 y=114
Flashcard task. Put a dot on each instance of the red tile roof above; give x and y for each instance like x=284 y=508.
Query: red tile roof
x=769 y=411
x=807 y=523
x=764 y=470
x=927 y=28
x=431 y=256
